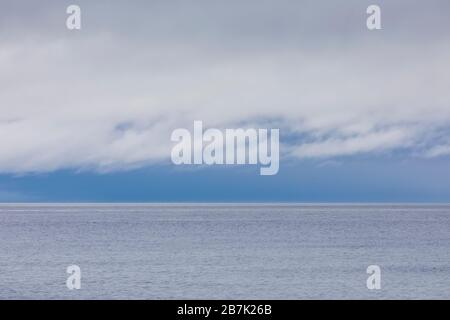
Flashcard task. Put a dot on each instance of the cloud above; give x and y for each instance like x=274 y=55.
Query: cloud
x=378 y=141
x=437 y=151
x=109 y=96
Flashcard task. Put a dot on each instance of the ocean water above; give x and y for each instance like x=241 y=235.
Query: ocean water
x=224 y=251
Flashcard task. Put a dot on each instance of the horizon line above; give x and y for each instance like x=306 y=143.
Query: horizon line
x=225 y=203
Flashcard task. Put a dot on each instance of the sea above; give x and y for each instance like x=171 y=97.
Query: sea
x=225 y=251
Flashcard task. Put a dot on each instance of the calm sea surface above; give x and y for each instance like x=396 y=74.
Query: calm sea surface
x=224 y=251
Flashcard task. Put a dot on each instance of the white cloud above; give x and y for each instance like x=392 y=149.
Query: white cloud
x=437 y=151
x=108 y=100
x=377 y=141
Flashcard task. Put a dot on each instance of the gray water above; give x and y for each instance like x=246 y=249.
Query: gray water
x=224 y=251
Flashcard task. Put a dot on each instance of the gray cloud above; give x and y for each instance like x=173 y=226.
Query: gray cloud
x=108 y=97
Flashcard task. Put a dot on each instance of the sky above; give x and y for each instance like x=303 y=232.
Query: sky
x=87 y=115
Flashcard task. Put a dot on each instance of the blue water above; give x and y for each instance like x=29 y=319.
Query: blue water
x=224 y=251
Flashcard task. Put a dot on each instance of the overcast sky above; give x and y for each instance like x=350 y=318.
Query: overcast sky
x=106 y=98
